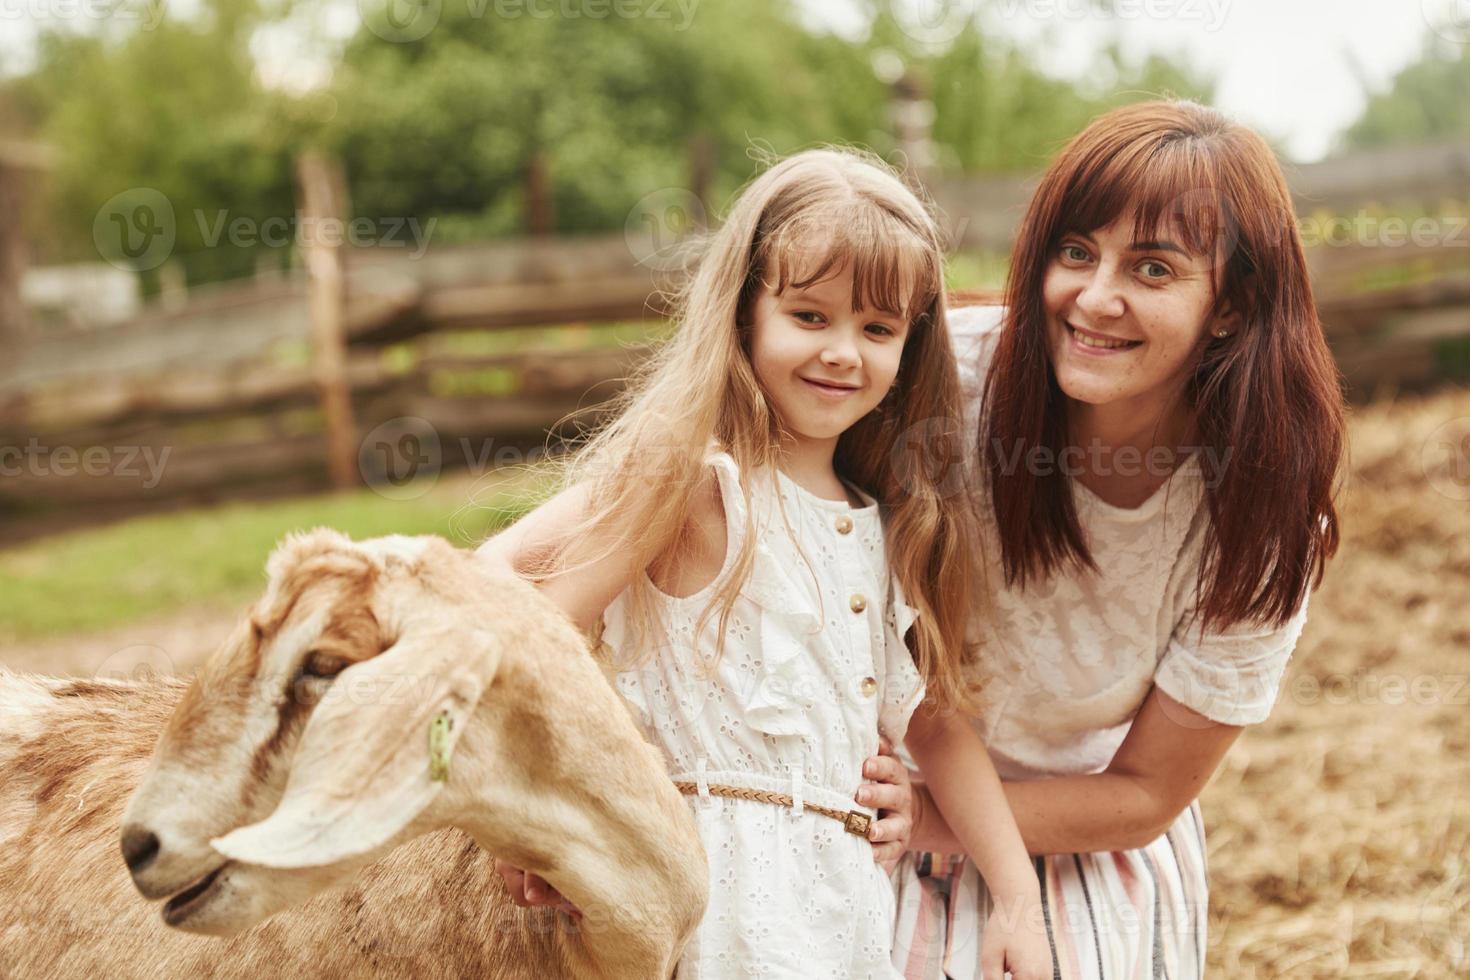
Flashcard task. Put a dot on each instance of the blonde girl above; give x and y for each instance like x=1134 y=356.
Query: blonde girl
x=778 y=576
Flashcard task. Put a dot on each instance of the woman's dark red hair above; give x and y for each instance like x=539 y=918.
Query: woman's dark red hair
x=1269 y=394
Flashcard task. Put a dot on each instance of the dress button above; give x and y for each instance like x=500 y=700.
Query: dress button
x=844 y=524
x=858 y=603
x=870 y=686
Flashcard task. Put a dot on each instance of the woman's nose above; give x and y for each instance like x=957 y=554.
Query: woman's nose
x=1101 y=297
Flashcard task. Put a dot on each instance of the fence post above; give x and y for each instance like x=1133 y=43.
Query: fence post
x=322 y=202
x=13 y=318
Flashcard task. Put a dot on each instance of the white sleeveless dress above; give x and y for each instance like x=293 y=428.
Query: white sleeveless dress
x=814 y=667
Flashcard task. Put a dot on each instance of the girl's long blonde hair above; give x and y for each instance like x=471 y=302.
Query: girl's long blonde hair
x=804 y=219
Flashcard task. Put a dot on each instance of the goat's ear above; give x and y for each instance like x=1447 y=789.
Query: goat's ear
x=361 y=772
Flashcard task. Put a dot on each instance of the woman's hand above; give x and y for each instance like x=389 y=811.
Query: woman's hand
x=889 y=791
x=1015 y=942
x=528 y=890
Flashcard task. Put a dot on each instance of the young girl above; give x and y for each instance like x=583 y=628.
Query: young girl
x=725 y=529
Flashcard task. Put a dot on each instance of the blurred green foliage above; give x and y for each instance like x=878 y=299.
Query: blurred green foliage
x=1427 y=101
x=447 y=125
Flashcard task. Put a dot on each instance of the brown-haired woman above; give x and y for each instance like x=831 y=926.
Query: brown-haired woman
x=1156 y=424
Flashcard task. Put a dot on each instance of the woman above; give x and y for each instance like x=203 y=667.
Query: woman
x=1156 y=424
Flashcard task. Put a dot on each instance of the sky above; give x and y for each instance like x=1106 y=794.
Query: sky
x=1294 y=69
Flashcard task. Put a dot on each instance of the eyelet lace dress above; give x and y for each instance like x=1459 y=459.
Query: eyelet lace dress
x=814 y=667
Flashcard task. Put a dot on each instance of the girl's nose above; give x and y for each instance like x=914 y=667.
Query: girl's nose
x=840 y=352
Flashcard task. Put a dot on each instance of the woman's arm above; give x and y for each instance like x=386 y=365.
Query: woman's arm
x=1168 y=756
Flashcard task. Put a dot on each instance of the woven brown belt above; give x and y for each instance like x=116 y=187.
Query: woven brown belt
x=853 y=821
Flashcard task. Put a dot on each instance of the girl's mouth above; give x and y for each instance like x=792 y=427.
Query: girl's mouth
x=1097 y=344
x=830 y=390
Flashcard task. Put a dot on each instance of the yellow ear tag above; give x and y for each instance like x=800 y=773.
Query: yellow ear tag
x=439 y=730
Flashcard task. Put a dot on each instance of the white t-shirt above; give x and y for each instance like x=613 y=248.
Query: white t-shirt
x=1074 y=657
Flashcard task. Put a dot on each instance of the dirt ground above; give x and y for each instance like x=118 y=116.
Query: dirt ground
x=1339 y=830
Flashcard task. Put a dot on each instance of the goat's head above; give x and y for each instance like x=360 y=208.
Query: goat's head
x=301 y=750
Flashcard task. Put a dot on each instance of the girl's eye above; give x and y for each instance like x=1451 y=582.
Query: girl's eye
x=884 y=330
x=807 y=316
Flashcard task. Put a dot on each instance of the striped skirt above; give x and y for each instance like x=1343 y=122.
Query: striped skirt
x=1110 y=914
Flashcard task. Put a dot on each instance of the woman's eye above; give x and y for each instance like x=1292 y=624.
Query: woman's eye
x=1154 y=270
x=319 y=664
x=1074 y=253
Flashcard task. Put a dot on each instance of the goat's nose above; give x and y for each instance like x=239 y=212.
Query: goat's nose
x=139 y=848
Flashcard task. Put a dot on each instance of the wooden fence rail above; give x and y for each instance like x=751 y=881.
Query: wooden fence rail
x=227 y=389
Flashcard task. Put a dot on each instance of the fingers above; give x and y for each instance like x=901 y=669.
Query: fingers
x=885 y=769
x=528 y=890
x=893 y=828
x=888 y=855
x=992 y=964
x=884 y=796
x=515 y=881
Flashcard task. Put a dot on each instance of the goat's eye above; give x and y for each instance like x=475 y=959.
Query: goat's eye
x=319 y=664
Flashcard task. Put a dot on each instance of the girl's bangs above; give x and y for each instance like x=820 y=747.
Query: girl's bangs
x=1171 y=189
x=893 y=269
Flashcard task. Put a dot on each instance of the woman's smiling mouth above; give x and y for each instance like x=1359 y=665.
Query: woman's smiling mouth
x=1096 y=343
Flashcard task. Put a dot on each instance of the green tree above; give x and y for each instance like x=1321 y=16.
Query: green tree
x=1425 y=101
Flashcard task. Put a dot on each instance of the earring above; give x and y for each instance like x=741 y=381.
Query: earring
x=1222 y=334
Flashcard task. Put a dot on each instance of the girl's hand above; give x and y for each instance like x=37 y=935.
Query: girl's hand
x=528 y=890
x=1015 y=942
x=889 y=791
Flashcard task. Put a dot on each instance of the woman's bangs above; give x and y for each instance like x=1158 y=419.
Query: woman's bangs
x=1171 y=192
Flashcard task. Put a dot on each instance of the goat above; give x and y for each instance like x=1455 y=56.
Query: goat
x=294 y=770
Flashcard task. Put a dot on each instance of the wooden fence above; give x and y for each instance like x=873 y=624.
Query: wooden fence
x=226 y=388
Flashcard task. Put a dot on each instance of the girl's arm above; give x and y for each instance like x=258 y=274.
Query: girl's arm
x=962 y=781
x=605 y=564
x=582 y=594
x=1166 y=759
x=968 y=791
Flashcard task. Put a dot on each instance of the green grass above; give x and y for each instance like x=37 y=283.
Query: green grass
x=105 y=577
